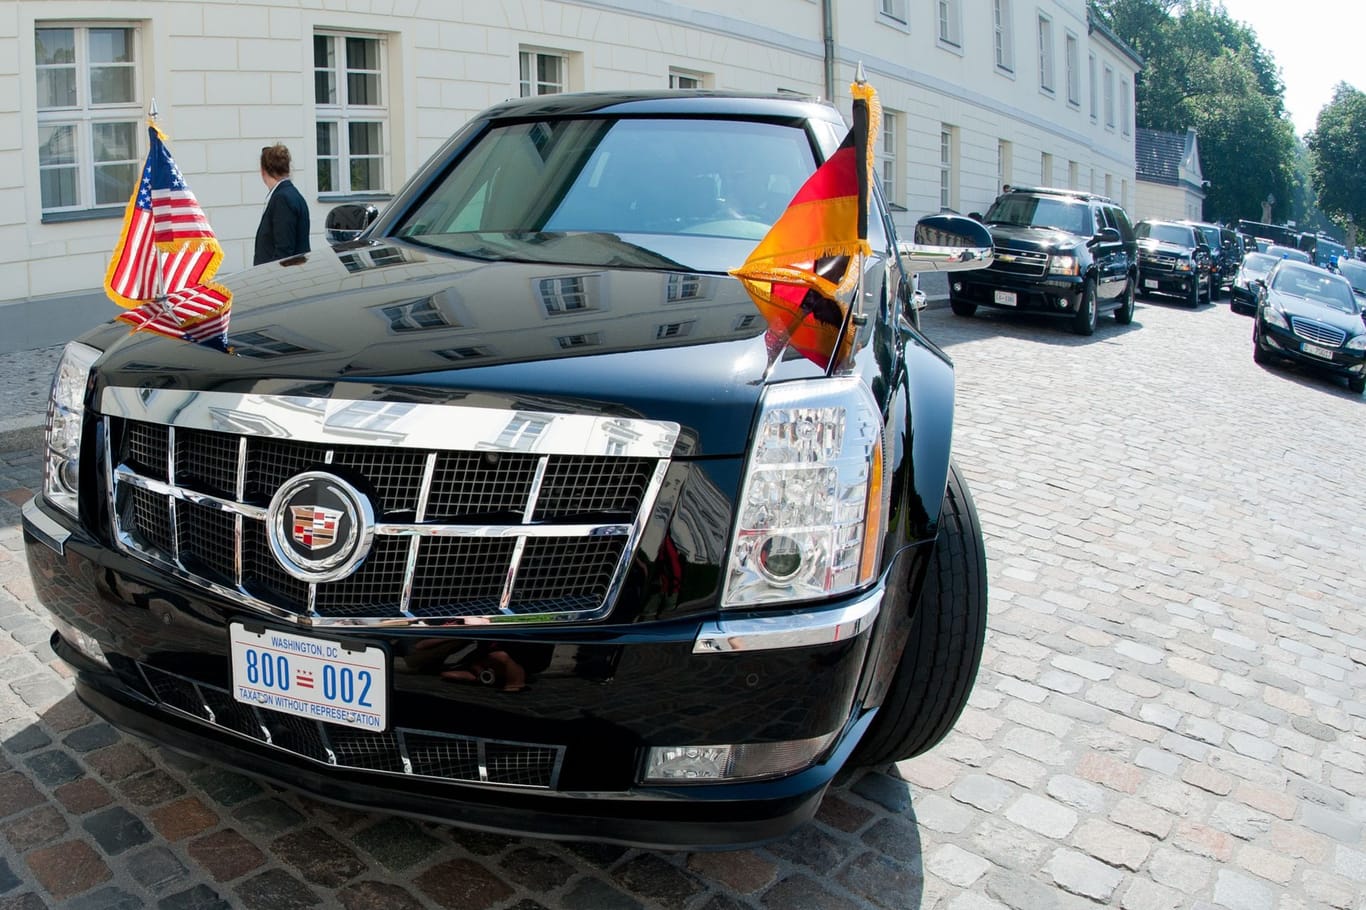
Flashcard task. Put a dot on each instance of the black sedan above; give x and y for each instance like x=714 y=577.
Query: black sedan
x=1243 y=290
x=1310 y=316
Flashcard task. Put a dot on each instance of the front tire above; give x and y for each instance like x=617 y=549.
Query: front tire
x=1125 y=314
x=1084 y=322
x=1357 y=384
x=1260 y=355
x=1193 y=298
x=964 y=308
x=935 y=672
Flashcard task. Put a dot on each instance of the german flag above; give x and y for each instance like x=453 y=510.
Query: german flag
x=805 y=268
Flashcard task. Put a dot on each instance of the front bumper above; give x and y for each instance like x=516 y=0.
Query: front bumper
x=1173 y=284
x=1287 y=344
x=600 y=696
x=1049 y=296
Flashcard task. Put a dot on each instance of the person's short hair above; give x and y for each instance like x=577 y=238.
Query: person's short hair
x=275 y=160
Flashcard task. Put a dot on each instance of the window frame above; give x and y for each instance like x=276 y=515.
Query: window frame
x=1094 y=82
x=342 y=114
x=85 y=115
x=888 y=153
x=948 y=26
x=1045 y=47
x=948 y=167
x=1005 y=164
x=528 y=87
x=1125 y=117
x=1003 y=36
x=1108 y=82
x=894 y=11
x=1072 y=64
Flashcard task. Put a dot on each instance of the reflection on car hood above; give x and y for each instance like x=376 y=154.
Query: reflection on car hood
x=1304 y=308
x=1151 y=244
x=1024 y=237
x=631 y=342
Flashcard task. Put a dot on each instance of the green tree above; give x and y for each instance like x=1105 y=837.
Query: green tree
x=1337 y=149
x=1205 y=70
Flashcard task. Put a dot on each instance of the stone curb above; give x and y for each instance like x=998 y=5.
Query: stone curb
x=20 y=433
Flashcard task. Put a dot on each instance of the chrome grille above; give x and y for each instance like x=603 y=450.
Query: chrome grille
x=1018 y=262
x=1317 y=332
x=1158 y=262
x=459 y=534
x=406 y=751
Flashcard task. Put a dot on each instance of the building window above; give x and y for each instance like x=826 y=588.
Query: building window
x=585 y=340
x=472 y=352
x=1073 y=175
x=681 y=79
x=416 y=316
x=1109 y=97
x=950 y=17
x=564 y=295
x=1095 y=90
x=948 y=167
x=89 y=114
x=522 y=432
x=893 y=9
x=1003 y=35
x=887 y=158
x=682 y=286
x=1045 y=53
x=1110 y=186
x=1124 y=116
x=349 y=89
x=264 y=345
x=1123 y=193
x=1004 y=164
x=1045 y=169
x=543 y=73
x=1073 y=64
x=674 y=330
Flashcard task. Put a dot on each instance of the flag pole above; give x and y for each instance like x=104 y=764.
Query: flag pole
x=159 y=295
x=861 y=148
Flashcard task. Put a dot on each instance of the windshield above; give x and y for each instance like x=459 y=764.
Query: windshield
x=1315 y=285
x=1167 y=233
x=650 y=186
x=1211 y=235
x=1355 y=273
x=1041 y=211
x=1255 y=265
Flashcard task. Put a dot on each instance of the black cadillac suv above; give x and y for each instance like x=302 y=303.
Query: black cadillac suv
x=513 y=512
x=1060 y=253
x=1174 y=260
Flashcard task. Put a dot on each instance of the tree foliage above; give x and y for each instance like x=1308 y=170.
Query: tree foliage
x=1204 y=70
x=1337 y=149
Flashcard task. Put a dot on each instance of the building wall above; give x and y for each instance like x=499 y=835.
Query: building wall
x=1157 y=201
x=229 y=78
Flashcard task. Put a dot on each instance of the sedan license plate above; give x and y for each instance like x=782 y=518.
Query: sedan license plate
x=1150 y=283
x=1005 y=298
x=309 y=677
x=1314 y=350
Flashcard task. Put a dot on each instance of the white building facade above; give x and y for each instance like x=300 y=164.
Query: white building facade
x=976 y=94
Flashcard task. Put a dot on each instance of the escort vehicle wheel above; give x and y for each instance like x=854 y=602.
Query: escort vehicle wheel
x=1084 y=322
x=1357 y=384
x=964 y=308
x=936 y=670
x=1260 y=354
x=1193 y=298
x=1125 y=314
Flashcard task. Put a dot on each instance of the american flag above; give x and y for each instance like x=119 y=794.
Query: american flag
x=166 y=256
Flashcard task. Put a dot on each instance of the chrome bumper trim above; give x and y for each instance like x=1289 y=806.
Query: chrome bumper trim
x=792 y=630
x=44 y=528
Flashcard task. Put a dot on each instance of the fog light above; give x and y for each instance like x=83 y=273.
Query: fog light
x=742 y=761
x=81 y=642
x=958 y=287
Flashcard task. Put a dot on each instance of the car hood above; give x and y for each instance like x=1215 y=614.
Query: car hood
x=389 y=321
x=1023 y=237
x=1304 y=308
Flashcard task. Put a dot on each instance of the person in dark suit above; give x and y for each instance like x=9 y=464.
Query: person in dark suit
x=284 y=224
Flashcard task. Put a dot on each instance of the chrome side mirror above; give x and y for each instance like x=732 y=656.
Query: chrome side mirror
x=947 y=243
x=349 y=221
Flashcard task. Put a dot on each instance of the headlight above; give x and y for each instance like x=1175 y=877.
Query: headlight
x=65 y=413
x=1356 y=343
x=1062 y=265
x=811 y=514
x=1274 y=316
x=1183 y=265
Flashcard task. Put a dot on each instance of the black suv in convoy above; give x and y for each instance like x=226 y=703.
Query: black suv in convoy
x=512 y=512
x=1222 y=266
x=1173 y=259
x=1059 y=253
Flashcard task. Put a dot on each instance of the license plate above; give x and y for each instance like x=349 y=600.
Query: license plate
x=1150 y=283
x=1314 y=350
x=1005 y=298
x=309 y=677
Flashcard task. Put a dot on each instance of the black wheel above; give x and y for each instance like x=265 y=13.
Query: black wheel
x=1084 y=321
x=1259 y=354
x=1214 y=290
x=1193 y=298
x=1125 y=314
x=936 y=670
x=1357 y=384
x=964 y=308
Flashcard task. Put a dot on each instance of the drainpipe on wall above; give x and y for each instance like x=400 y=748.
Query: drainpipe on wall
x=828 y=39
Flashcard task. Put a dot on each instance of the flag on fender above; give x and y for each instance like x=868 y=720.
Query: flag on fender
x=807 y=265
x=166 y=256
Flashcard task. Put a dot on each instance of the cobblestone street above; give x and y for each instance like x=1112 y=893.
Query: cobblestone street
x=1168 y=713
